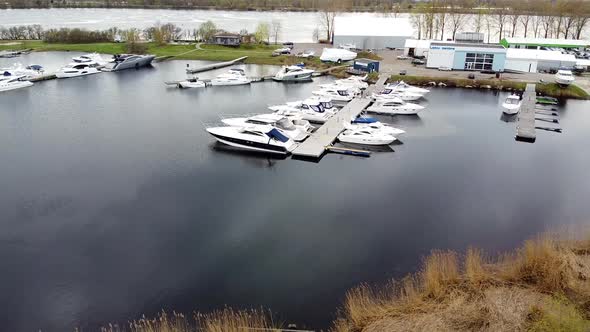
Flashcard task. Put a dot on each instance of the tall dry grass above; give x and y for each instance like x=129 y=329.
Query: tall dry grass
x=475 y=292
x=226 y=320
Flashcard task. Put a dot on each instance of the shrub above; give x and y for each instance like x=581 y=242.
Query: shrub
x=76 y=36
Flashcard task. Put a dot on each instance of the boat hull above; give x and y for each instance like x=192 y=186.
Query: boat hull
x=226 y=83
x=394 y=110
x=190 y=85
x=294 y=78
x=143 y=62
x=367 y=141
x=15 y=86
x=78 y=74
x=510 y=109
x=250 y=145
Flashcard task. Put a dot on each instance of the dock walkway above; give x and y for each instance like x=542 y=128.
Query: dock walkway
x=525 y=126
x=316 y=144
x=216 y=65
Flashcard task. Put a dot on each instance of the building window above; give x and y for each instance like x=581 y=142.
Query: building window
x=479 y=61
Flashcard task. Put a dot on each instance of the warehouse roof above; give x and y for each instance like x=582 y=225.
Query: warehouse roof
x=364 y=25
x=518 y=53
x=545 y=42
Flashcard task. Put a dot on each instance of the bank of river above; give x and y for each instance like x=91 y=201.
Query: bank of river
x=117 y=203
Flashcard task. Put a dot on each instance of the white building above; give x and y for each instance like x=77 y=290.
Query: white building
x=417 y=47
x=466 y=56
x=369 y=32
x=533 y=60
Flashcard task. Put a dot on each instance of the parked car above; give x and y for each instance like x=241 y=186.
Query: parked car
x=288 y=45
x=403 y=57
x=281 y=51
x=403 y=72
x=418 y=62
x=421 y=57
x=307 y=54
x=444 y=68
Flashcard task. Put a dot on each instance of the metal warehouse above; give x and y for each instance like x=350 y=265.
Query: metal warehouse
x=367 y=32
x=532 y=61
x=466 y=56
x=538 y=43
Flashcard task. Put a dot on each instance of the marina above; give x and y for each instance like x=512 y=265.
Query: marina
x=525 y=127
x=119 y=158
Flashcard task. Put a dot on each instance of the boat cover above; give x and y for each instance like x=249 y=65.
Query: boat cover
x=274 y=133
x=364 y=120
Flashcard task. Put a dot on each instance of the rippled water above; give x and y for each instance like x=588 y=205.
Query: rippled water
x=115 y=202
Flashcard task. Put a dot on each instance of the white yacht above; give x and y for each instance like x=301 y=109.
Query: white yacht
x=191 y=83
x=365 y=137
x=232 y=77
x=78 y=69
x=403 y=86
x=376 y=126
x=310 y=109
x=394 y=106
x=339 y=95
x=90 y=58
x=255 y=138
x=512 y=104
x=13 y=82
x=403 y=95
x=564 y=77
x=295 y=129
x=29 y=72
x=293 y=74
x=356 y=81
x=352 y=90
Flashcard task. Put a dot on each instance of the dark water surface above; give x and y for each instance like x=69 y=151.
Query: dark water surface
x=115 y=202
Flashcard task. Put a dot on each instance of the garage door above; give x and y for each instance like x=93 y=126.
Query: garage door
x=521 y=66
x=440 y=58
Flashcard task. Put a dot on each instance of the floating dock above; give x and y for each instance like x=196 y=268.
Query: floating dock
x=215 y=66
x=321 y=140
x=525 y=125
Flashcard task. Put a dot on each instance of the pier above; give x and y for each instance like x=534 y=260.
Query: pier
x=525 y=125
x=321 y=140
x=215 y=66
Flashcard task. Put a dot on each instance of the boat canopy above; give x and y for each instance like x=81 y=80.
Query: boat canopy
x=35 y=67
x=364 y=120
x=276 y=134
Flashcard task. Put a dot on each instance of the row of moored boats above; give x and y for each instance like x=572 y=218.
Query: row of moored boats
x=281 y=131
x=17 y=76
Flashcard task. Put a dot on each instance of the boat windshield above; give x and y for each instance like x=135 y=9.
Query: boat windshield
x=343 y=92
x=316 y=108
x=286 y=124
x=512 y=101
x=327 y=104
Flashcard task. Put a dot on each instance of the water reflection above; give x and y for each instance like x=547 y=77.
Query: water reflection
x=508 y=117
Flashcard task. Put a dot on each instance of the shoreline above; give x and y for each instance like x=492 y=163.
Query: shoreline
x=262 y=55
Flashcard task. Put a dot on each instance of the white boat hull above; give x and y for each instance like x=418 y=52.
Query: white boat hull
x=15 y=86
x=402 y=110
x=228 y=83
x=249 y=148
x=564 y=82
x=190 y=85
x=383 y=140
x=510 y=109
x=85 y=72
x=294 y=78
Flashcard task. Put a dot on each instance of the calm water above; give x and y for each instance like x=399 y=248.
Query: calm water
x=115 y=202
x=296 y=26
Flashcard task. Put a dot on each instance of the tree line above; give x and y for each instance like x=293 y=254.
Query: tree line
x=502 y=18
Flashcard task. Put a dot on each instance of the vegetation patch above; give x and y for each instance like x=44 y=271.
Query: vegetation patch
x=547 y=89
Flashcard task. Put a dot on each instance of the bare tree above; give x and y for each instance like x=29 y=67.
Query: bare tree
x=328 y=10
x=536 y=21
x=456 y=18
x=276 y=28
x=525 y=20
x=514 y=19
x=501 y=13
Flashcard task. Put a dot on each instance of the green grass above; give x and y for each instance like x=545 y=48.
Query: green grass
x=551 y=89
x=560 y=315
x=257 y=54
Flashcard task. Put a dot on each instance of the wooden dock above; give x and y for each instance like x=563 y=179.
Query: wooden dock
x=315 y=145
x=215 y=66
x=321 y=140
x=525 y=125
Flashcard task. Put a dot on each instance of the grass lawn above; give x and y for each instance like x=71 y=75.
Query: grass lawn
x=258 y=54
x=550 y=89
